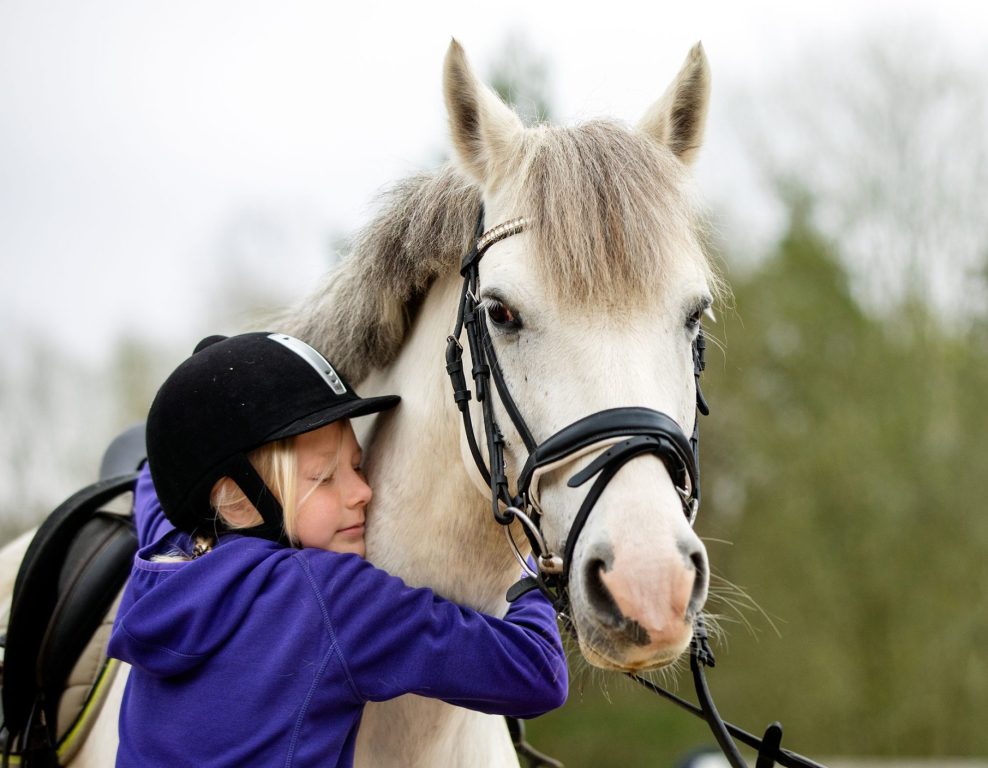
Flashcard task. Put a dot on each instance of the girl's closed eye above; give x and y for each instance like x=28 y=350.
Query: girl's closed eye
x=322 y=479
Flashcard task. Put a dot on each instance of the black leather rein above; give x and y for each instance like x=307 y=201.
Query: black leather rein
x=625 y=433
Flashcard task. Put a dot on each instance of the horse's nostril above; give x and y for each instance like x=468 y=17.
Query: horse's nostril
x=700 y=563
x=598 y=595
x=698 y=558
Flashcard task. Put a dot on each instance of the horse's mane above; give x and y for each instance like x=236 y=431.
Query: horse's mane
x=359 y=316
x=608 y=209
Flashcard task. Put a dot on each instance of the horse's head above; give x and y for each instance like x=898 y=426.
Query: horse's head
x=596 y=305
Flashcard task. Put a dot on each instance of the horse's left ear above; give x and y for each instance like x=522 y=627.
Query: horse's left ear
x=677 y=119
x=484 y=129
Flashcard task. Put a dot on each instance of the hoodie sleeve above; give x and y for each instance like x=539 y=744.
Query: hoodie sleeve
x=394 y=640
x=149 y=517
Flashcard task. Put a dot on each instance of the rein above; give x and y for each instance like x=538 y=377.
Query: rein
x=626 y=433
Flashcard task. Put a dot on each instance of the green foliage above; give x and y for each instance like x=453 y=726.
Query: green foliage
x=610 y=721
x=844 y=462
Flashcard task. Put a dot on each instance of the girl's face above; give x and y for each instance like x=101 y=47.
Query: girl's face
x=332 y=490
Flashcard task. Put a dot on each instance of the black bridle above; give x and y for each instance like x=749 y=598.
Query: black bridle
x=626 y=433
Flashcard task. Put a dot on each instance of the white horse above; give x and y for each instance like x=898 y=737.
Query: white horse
x=594 y=306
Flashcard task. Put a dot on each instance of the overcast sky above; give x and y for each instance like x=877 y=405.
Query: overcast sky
x=145 y=146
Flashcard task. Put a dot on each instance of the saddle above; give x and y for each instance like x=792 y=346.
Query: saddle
x=55 y=673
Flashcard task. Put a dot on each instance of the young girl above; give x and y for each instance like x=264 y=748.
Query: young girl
x=255 y=629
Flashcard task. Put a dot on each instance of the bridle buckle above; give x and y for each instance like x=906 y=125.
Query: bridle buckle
x=550 y=563
x=691 y=504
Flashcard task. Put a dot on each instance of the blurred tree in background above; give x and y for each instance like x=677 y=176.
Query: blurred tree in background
x=844 y=459
x=522 y=78
x=843 y=462
x=851 y=458
x=889 y=133
x=59 y=414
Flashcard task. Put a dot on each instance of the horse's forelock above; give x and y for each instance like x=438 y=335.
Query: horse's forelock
x=609 y=210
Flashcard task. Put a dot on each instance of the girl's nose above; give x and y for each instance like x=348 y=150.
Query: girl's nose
x=360 y=492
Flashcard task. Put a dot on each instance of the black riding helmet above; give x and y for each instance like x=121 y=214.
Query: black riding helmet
x=231 y=396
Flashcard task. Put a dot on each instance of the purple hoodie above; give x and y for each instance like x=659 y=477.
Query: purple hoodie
x=256 y=654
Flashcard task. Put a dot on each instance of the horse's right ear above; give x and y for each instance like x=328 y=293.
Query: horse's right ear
x=485 y=131
x=677 y=119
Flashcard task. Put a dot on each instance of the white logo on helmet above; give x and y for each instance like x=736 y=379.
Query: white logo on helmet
x=319 y=363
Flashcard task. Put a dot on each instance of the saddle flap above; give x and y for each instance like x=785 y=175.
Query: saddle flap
x=96 y=566
x=36 y=595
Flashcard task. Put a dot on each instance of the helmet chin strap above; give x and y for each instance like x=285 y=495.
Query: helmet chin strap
x=242 y=472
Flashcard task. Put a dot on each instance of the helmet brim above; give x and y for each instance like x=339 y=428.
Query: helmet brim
x=364 y=406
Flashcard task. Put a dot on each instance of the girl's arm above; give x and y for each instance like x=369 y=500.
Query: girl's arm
x=149 y=518
x=395 y=640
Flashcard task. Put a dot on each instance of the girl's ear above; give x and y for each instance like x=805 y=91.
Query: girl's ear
x=232 y=506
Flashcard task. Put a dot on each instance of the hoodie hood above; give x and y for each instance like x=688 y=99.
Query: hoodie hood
x=175 y=616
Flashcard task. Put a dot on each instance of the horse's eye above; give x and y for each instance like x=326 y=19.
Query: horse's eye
x=502 y=315
x=694 y=318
